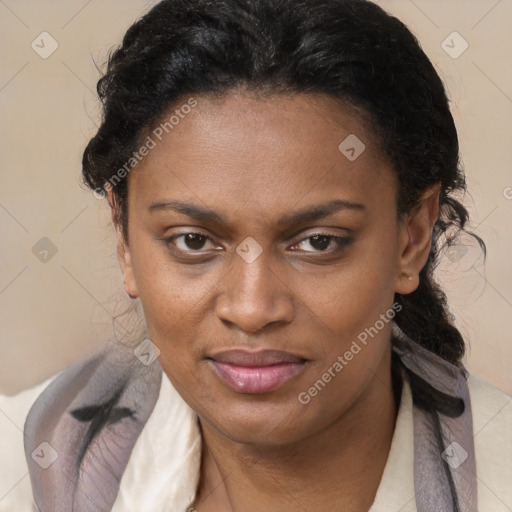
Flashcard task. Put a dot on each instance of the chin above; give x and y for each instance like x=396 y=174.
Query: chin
x=259 y=423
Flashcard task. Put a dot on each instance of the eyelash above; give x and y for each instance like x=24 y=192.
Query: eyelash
x=341 y=241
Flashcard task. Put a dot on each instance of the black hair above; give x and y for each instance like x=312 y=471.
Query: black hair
x=351 y=50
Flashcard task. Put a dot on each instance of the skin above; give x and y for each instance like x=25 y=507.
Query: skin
x=253 y=160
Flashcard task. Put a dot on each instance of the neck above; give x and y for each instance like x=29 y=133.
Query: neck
x=339 y=467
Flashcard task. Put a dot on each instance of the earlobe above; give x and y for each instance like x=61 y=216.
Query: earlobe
x=407 y=283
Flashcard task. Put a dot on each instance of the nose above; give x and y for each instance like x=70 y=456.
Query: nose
x=254 y=296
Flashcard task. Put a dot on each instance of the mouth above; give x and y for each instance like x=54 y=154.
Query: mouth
x=256 y=372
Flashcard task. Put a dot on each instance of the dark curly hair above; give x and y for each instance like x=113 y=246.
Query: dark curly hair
x=351 y=50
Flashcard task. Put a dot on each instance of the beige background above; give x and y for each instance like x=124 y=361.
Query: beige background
x=56 y=311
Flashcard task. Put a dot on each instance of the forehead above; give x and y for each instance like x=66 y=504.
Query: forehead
x=262 y=154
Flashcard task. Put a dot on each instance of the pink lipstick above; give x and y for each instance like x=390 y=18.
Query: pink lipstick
x=256 y=372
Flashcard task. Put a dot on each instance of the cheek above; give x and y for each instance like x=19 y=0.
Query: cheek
x=168 y=298
x=355 y=309
x=352 y=297
x=167 y=289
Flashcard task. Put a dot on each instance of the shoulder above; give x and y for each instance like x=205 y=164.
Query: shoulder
x=492 y=430
x=15 y=487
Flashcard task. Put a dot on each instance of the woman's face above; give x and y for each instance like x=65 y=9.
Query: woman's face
x=290 y=267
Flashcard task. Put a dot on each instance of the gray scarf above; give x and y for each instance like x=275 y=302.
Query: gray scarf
x=79 y=417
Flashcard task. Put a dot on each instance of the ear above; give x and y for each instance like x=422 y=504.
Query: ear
x=415 y=238
x=123 y=251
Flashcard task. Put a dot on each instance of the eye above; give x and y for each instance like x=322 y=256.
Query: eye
x=189 y=242
x=324 y=243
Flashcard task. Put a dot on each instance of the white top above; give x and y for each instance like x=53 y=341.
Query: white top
x=163 y=470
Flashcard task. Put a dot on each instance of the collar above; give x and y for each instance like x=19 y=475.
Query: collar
x=166 y=458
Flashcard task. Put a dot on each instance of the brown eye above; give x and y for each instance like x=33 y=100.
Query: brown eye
x=194 y=241
x=323 y=243
x=189 y=242
x=320 y=242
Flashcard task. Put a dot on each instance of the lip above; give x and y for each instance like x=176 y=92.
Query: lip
x=256 y=372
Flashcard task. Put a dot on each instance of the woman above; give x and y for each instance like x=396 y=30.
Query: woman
x=282 y=176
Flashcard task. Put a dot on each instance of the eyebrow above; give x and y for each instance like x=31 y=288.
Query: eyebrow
x=309 y=214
